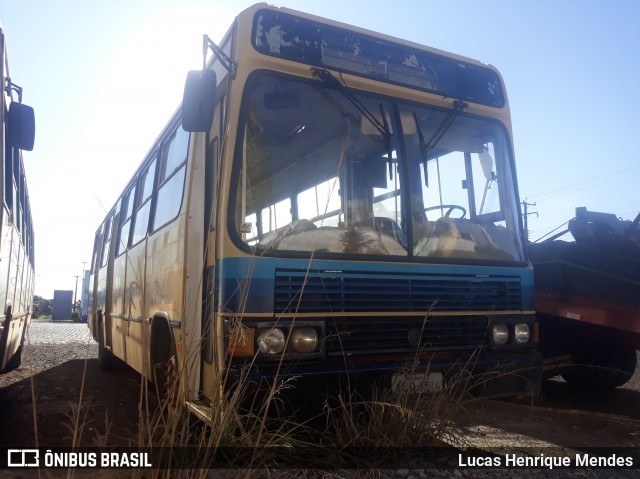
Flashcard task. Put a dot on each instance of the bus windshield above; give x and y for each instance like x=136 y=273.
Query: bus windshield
x=326 y=170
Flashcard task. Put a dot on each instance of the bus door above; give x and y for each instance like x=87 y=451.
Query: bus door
x=210 y=367
x=207 y=137
x=107 y=274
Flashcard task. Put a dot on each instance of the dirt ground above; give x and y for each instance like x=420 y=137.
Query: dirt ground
x=109 y=413
x=57 y=399
x=108 y=407
x=559 y=418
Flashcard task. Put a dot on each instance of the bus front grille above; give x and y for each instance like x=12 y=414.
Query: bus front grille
x=313 y=291
x=375 y=335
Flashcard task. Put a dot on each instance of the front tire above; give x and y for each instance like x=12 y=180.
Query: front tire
x=164 y=361
x=601 y=368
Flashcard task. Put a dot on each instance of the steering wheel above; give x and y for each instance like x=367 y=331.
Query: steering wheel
x=449 y=209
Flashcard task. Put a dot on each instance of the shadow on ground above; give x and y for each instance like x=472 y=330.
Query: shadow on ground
x=108 y=403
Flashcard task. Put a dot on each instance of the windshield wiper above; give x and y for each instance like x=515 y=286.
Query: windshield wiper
x=381 y=126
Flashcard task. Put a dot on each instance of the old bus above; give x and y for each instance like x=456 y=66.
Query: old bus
x=326 y=201
x=17 y=130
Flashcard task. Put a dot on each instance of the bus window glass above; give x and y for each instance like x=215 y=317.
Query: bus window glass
x=276 y=216
x=315 y=145
x=106 y=242
x=176 y=153
x=127 y=208
x=321 y=201
x=387 y=203
x=171 y=178
x=147 y=181
x=8 y=177
x=97 y=247
x=169 y=199
x=458 y=214
x=249 y=229
x=445 y=177
x=17 y=171
x=141 y=221
x=485 y=180
x=325 y=170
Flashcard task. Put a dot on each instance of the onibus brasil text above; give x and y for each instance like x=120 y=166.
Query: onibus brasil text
x=53 y=459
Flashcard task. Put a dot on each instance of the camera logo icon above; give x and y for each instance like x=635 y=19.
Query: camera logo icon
x=23 y=458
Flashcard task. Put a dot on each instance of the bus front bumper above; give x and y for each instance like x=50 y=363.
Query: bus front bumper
x=484 y=374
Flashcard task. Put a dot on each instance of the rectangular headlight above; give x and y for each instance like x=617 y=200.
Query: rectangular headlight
x=500 y=334
x=521 y=333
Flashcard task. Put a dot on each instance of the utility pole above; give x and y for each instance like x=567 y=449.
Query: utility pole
x=525 y=216
x=84 y=293
x=75 y=292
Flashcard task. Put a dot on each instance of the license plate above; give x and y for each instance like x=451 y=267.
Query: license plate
x=416 y=382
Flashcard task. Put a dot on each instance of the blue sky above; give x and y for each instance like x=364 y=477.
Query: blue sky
x=104 y=77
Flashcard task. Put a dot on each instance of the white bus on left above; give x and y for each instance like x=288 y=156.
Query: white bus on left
x=17 y=131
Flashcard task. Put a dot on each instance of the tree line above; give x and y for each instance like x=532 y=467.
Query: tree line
x=44 y=307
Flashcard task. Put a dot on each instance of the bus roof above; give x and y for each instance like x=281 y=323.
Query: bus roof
x=324 y=43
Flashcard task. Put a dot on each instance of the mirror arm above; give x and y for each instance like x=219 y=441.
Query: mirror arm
x=225 y=59
x=11 y=87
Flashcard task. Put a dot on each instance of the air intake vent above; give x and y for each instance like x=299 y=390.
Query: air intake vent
x=315 y=291
x=379 y=335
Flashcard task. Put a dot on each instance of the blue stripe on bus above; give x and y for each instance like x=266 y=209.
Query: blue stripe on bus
x=265 y=285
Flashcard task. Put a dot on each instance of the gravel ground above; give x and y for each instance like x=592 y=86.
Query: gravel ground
x=51 y=344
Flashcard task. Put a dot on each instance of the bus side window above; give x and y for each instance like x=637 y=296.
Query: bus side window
x=141 y=220
x=17 y=218
x=211 y=182
x=23 y=209
x=171 y=178
x=127 y=209
x=8 y=177
x=96 y=248
x=106 y=242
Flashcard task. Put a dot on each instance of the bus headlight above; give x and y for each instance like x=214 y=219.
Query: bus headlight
x=500 y=334
x=271 y=341
x=521 y=333
x=304 y=340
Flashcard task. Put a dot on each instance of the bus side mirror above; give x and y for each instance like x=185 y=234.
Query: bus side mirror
x=21 y=126
x=199 y=100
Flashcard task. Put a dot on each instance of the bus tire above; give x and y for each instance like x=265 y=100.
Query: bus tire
x=16 y=360
x=106 y=359
x=164 y=362
x=601 y=368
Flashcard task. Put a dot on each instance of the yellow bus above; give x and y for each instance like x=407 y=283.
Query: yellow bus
x=327 y=201
x=17 y=131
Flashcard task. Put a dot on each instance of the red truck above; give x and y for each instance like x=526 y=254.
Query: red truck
x=588 y=300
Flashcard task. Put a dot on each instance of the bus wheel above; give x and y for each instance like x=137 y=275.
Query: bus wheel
x=165 y=380
x=601 y=368
x=106 y=359
x=16 y=359
x=165 y=365
x=14 y=362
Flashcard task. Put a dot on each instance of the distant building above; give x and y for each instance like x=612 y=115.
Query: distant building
x=62 y=304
